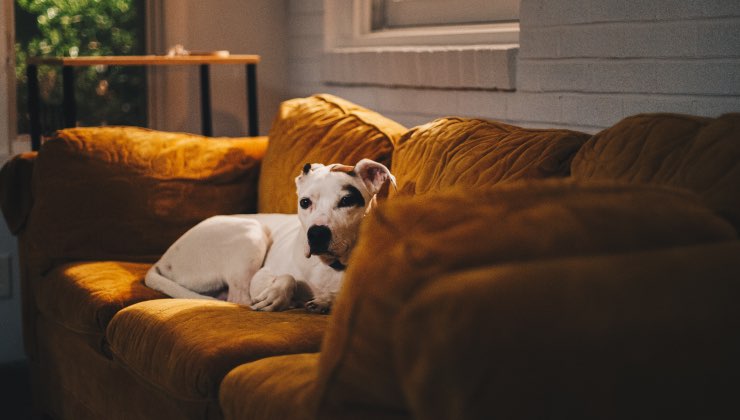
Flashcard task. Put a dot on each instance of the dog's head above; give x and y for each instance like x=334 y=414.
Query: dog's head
x=332 y=200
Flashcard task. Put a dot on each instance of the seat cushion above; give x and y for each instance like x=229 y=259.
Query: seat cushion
x=319 y=129
x=700 y=154
x=471 y=152
x=83 y=297
x=185 y=347
x=281 y=387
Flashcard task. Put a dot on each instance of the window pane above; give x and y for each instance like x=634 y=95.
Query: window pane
x=104 y=95
x=388 y=14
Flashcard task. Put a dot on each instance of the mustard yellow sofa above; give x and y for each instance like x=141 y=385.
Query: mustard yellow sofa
x=515 y=273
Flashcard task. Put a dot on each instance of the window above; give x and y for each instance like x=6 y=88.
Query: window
x=105 y=95
x=470 y=44
x=393 y=14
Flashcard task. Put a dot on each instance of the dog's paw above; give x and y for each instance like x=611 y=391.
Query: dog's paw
x=318 y=306
x=272 y=299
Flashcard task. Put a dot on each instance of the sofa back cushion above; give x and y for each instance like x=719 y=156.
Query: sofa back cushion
x=127 y=193
x=474 y=152
x=701 y=154
x=408 y=242
x=319 y=129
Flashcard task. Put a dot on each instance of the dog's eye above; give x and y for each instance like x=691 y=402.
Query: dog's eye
x=353 y=198
x=348 y=201
x=305 y=203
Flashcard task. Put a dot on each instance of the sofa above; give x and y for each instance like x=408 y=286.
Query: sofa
x=514 y=273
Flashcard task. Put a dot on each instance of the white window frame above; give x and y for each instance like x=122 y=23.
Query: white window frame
x=480 y=56
x=348 y=25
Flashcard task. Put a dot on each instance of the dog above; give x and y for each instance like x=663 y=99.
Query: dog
x=274 y=262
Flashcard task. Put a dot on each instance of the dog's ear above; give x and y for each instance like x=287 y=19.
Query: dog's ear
x=306 y=169
x=374 y=175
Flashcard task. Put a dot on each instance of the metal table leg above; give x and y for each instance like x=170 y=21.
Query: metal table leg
x=33 y=106
x=252 y=116
x=205 y=101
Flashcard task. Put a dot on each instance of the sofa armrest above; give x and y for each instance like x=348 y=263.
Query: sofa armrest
x=15 y=190
x=127 y=193
x=406 y=243
x=639 y=335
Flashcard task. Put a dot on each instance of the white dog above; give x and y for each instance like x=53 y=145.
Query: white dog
x=274 y=262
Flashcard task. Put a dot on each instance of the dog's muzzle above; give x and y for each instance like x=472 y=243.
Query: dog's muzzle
x=319 y=238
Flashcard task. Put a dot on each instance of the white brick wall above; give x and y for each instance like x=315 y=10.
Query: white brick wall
x=441 y=67
x=306 y=46
x=582 y=64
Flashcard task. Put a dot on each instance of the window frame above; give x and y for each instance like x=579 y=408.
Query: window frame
x=349 y=25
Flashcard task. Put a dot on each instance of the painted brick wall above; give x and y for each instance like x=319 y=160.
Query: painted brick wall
x=582 y=64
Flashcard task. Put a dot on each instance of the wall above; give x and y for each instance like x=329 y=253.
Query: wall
x=11 y=339
x=241 y=27
x=11 y=344
x=582 y=65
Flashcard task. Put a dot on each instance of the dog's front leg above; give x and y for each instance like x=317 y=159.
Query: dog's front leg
x=321 y=304
x=277 y=292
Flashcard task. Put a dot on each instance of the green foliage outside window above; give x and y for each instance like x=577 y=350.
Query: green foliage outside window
x=69 y=28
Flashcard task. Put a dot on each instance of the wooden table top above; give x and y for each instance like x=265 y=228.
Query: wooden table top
x=146 y=60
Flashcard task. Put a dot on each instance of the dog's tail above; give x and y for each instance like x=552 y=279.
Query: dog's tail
x=157 y=281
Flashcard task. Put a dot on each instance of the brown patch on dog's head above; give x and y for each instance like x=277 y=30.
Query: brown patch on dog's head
x=338 y=167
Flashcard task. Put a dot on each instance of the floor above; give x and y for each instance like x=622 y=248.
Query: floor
x=15 y=392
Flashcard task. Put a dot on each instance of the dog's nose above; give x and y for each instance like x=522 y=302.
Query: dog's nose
x=318 y=239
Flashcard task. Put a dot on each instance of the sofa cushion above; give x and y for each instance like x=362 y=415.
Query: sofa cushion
x=473 y=152
x=409 y=241
x=281 y=387
x=640 y=335
x=320 y=129
x=185 y=347
x=126 y=193
x=701 y=154
x=83 y=297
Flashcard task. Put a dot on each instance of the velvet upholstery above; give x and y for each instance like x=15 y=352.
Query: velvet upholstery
x=149 y=188
x=406 y=243
x=700 y=154
x=642 y=335
x=281 y=387
x=319 y=129
x=185 y=347
x=74 y=381
x=83 y=297
x=477 y=153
